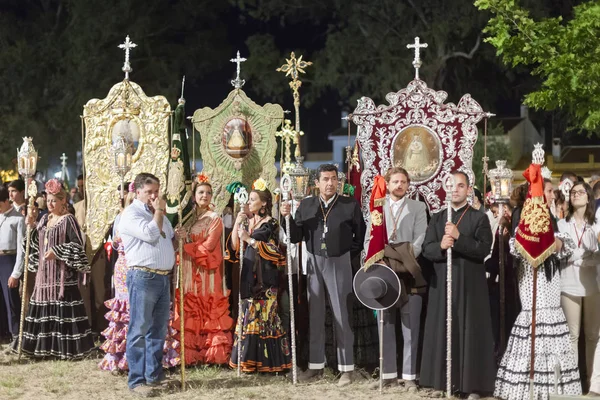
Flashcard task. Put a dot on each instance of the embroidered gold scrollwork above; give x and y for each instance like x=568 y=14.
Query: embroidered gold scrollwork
x=536 y=216
x=376 y=218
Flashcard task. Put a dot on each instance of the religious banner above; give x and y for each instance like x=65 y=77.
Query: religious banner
x=237 y=141
x=419 y=133
x=142 y=123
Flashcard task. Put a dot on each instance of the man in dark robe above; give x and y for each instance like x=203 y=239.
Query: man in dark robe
x=470 y=236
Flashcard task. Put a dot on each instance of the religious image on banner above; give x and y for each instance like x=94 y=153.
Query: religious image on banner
x=237 y=137
x=237 y=140
x=143 y=122
x=128 y=129
x=417 y=150
x=419 y=132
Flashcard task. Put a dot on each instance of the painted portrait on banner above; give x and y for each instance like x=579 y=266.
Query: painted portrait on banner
x=417 y=150
x=130 y=130
x=237 y=138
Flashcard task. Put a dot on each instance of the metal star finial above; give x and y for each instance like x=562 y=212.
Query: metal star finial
x=127 y=46
x=294 y=66
x=417 y=45
x=238 y=82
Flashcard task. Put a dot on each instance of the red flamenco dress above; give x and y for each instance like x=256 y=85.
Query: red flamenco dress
x=207 y=323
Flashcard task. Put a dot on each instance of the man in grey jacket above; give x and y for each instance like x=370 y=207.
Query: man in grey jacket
x=406 y=221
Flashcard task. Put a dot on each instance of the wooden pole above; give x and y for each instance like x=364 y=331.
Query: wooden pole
x=502 y=278
x=533 y=312
x=181 y=301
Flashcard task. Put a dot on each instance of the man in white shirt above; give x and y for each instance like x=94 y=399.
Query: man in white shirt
x=148 y=239
x=16 y=191
x=12 y=232
x=406 y=221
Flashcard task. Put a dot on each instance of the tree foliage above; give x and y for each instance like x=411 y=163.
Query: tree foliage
x=55 y=55
x=563 y=54
x=359 y=48
x=497 y=149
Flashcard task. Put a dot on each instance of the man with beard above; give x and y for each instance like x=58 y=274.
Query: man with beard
x=406 y=222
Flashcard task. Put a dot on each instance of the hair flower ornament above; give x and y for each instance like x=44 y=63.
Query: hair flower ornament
x=201 y=178
x=53 y=186
x=259 y=184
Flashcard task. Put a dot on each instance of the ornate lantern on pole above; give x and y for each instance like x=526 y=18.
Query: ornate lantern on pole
x=27 y=158
x=300 y=179
x=123 y=157
x=501 y=179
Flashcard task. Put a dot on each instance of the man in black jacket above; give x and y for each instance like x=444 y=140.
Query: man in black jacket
x=333 y=228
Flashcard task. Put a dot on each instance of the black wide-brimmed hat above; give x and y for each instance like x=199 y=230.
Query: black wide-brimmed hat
x=378 y=287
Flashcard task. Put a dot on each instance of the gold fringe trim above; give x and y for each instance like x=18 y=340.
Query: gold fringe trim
x=374 y=258
x=379 y=202
x=539 y=260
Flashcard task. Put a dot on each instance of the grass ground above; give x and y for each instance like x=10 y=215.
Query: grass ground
x=82 y=380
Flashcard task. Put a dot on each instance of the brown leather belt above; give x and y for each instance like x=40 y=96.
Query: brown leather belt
x=152 y=271
x=8 y=252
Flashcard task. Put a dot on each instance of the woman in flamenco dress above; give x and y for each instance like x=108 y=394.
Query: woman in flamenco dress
x=206 y=299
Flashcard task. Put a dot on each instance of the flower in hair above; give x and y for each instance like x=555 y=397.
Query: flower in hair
x=131 y=187
x=201 y=178
x=53 y=186
x=259 y=184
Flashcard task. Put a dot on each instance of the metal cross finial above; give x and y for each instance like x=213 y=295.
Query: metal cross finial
x=237 y=82
x=417 y=61
x=63 y=160
x=127 y=46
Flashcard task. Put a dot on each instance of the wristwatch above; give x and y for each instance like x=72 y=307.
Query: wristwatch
x=252 y=242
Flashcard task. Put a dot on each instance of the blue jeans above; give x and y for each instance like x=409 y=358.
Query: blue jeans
x=149 y=301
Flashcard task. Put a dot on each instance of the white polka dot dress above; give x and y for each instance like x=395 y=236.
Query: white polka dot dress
x=555 y=367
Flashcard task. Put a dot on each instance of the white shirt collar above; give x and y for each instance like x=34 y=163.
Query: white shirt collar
x=395 y=204
x=461 y=207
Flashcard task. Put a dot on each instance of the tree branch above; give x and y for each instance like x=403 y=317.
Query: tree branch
x=462 y=53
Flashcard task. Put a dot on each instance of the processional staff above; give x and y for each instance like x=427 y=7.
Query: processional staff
x=175 y=187
x=449 y=188
x=286 y=188
x=27 y=158
x=293 y=68
x=241 y=198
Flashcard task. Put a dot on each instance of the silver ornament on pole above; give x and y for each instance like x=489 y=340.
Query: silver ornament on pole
x=27 y=158
x=240 y=197
x=123 y=154
x=449 y=184
x=286 y=188
x=501 y=180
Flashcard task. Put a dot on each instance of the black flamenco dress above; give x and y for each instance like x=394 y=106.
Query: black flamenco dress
x=265 y=346
x=56 y=324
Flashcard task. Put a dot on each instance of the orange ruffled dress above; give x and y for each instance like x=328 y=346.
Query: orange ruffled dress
x=207 y=321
